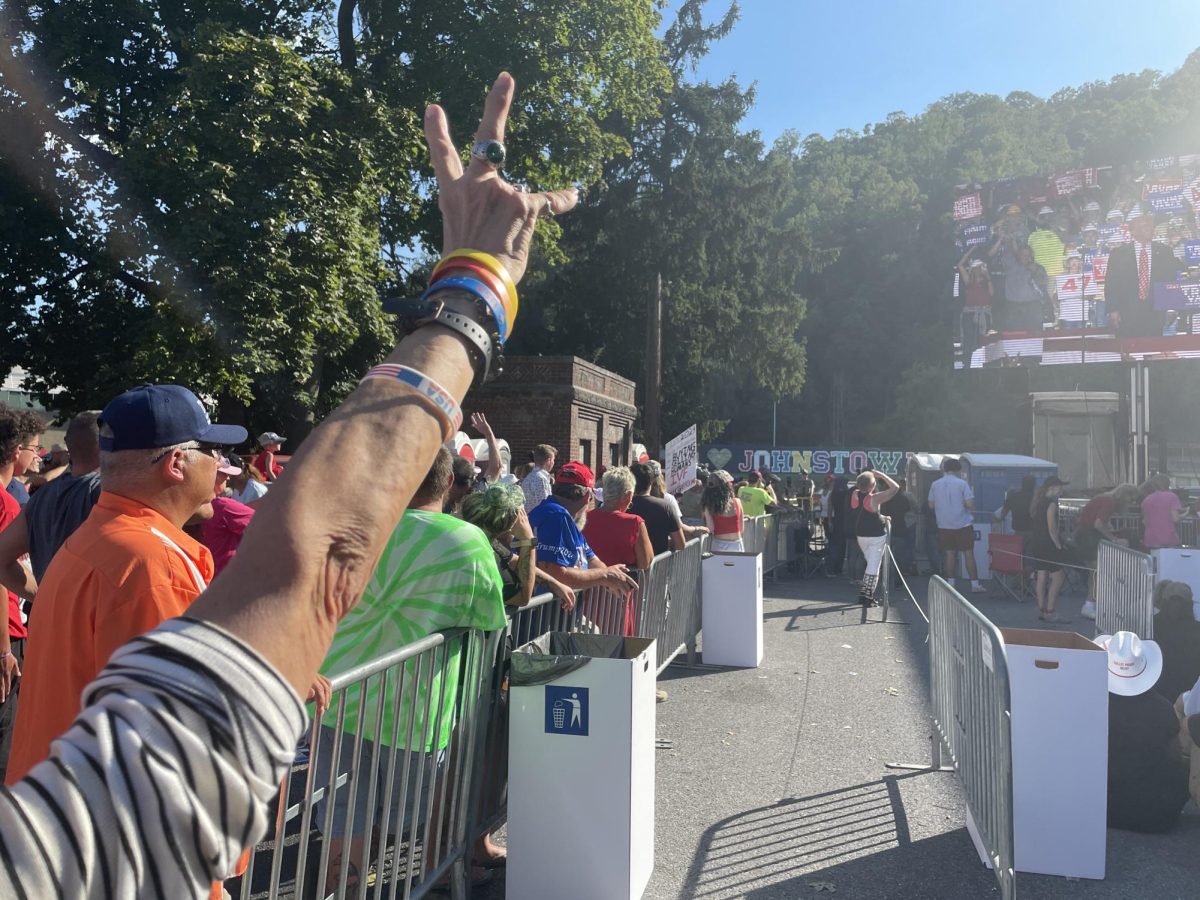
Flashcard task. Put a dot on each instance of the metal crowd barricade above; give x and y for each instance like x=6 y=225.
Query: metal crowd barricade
x=1188 y=531
x=444 y=793
x=388 y=785
x=669 y=597
x=971 y=709
x=768 y=535
x=1129 y=524
x=769 y=545
x=752 y=534
x=1124 y=590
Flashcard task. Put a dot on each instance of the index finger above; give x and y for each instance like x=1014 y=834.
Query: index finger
x=495 y=110
x=446 y=163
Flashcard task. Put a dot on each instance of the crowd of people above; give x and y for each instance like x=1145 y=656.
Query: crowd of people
x=173 y=605
x=1081 y=249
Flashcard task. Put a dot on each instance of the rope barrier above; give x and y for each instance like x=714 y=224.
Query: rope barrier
x=1054 y=562
x=907 y=589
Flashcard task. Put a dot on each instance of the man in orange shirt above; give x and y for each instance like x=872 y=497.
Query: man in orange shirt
x=129 y=566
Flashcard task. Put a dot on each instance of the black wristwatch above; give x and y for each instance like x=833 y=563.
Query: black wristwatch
x=479 y=328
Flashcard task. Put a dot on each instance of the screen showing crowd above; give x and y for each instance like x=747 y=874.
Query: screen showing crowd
x=1113 y=250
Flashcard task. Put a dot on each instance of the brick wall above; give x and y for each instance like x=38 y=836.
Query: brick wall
x=582 y=409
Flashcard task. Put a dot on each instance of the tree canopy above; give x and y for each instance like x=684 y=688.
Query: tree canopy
x=218 y=192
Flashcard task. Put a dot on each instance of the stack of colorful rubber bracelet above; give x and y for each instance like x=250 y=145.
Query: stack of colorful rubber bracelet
x=484 y=276
x=485 y=328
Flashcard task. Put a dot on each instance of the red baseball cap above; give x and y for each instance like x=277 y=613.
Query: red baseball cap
x=575 y=473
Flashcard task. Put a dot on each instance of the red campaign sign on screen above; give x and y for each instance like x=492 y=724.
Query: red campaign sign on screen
x=969 y=206
x=1069 y=286
x=1099 y=268
x=1072 y=182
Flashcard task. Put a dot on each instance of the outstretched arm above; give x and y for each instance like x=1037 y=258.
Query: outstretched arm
x=480 y=423
x=302 y=566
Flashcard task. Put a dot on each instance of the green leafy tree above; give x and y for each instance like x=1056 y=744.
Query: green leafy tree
x=231 y=183
x=699 y=202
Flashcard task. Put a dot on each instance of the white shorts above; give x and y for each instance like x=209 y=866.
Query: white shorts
x=719 y=546
x=872 y=550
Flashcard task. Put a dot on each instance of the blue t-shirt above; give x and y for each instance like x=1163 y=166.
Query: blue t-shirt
x=17 y=491
x=559 y=539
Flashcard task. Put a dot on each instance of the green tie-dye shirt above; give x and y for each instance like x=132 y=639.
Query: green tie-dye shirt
x=436 y=572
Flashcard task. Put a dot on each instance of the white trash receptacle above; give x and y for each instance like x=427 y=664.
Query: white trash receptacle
x=1059 y=691
x=581 y=768
x=732 y=610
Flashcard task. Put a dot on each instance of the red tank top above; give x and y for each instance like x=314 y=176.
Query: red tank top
x=730 y=524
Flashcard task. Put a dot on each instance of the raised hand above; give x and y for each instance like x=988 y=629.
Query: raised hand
x=481 y=211
x=480 y=423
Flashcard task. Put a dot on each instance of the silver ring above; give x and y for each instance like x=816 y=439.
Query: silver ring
x=549 y=210
x=490 y=152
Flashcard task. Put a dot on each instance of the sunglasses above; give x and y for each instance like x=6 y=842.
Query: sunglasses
x=213 y=450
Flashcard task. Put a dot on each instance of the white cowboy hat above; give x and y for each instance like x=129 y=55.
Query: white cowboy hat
x=1133 y=664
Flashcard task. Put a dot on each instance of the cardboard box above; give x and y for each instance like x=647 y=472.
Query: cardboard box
x=732 y=609
x=581 y=779
x=1059 y=687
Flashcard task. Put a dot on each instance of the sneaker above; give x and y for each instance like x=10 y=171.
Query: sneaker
x=1089 y=609
x=977 y=588
x=660 y=696
x=1055 y=619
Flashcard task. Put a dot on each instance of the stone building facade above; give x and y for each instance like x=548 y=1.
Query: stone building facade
x=585 y=411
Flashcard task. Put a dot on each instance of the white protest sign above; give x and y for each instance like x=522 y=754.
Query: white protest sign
x=681 y=461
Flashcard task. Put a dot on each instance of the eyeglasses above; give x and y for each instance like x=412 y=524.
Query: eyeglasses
x=32 y=448
x=213 y=450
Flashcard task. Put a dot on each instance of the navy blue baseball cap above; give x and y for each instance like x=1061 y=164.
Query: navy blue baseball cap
x=161 y=415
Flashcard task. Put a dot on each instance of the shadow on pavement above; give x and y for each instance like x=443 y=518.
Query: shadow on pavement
x=738 y=852
x=910 y=870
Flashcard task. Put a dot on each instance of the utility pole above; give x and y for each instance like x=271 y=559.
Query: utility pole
x=653 y=381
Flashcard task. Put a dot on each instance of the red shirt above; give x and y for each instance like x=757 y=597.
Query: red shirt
x=223 y=532
x=260 y=462
x=9 y=510
x=613 y=535
x=1097 y=511
x=977 y=295
x=730 y=524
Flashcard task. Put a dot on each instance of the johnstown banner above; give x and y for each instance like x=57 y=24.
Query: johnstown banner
x=741 y=458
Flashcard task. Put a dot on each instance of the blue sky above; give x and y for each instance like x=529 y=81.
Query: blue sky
x=821 y=66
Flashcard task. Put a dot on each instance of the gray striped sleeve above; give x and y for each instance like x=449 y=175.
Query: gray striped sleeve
x=161 y=781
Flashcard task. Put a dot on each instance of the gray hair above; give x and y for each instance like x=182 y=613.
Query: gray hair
x=617 y=482
x=126 y=465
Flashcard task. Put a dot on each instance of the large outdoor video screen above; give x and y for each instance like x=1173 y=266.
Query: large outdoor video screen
x=1091 y=265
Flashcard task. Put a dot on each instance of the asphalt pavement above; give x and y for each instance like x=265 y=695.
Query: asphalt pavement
x=777 y=785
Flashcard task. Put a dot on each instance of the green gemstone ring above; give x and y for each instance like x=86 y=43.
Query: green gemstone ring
x=490 y=152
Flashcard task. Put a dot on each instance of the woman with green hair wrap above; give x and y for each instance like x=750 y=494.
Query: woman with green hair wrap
x=499 y=512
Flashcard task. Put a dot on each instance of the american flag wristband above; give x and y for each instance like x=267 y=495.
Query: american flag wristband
x=435 y=397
